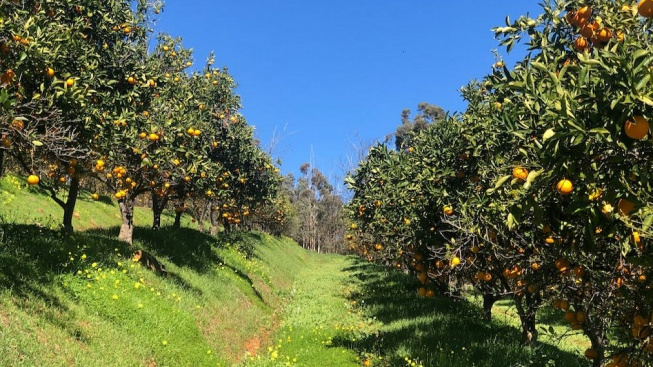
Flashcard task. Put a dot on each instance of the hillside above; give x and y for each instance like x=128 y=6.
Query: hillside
x=238 y=299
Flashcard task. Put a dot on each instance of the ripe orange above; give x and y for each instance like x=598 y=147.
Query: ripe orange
x=422 y=277
x=625 y=206
x=636 y=238
x=197 y=132
x=153 y=137
x=604 y=35
x=33 y=179
x=584 y=12
x=421 y=291
x=581 y=44
x=564 y=187
x=151 y=83
x=142 y=135
x=131 y=80
x=190 y=131
x=49 y=72
x=6 y=142
x=591 y=354
x=587 y=31
x=70 y=82
x=520 y=173
x=455 y=261
x=447 y=210
x=645 y=8
x=95 y=197
x=637 y=128
x=429 y=293
x=564 y=305
x=550 y=240
x=7 y=77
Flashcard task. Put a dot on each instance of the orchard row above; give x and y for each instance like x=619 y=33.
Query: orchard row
x=541 y=190
x=86 y=100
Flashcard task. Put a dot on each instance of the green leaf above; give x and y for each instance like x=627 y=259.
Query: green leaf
x=37 y=143
x=511 y=221
x=548 y=134
x=501 y=181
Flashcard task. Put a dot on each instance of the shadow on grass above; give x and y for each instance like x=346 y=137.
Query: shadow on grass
x=189 y=248
x=32 y=256
x=437 y=331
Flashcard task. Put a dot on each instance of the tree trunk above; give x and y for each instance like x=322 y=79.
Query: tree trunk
x=226 y=225
x=69 y=206
x=2 y=162
x=527 y=317
x=127 y=227
x=488 y=301
x=177 y=223
x=214 y=221
x=596 y=335
x=158 y=204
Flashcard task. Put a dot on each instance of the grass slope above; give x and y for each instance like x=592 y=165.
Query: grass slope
x=243 y=299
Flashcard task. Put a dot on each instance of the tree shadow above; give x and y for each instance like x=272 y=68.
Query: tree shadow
x=32 y=258
x=197 y=253
x=435 y=331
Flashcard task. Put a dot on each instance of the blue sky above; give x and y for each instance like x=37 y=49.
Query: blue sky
x=327 y=74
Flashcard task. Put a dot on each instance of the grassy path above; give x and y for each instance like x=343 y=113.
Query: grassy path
x=344 y=312
x=317 y=314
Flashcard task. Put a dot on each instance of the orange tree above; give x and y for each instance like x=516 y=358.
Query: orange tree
x=60 y=63
x=247 y=180
x=585 y=121
x=573 y=222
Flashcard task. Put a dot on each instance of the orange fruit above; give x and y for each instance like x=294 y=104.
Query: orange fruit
x=421 y=291
x=564 y=187
x=604 y=35
x=95 y=197
x=587 y=31
x=550 y=240
x=564 y=305
x=151 y=83
x=6 y=142
x=49 y=72
x=637 y=128
x=153 y=137
x=131 y=80
x=33 y=179
x=581 y=44
x=591 y=353
x=447 y=210
x=197 y=132
x=455 y=261
x=520 y=173
x=429 y=293
x=7 y=77
x=645 y=8
x=625 y=206
x=636 y=238
x=142 y=135
x=422 y=277
x=70 y=82
x=584 y=12
x=190 y=131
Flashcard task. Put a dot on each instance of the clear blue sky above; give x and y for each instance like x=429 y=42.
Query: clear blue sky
x=324 y=74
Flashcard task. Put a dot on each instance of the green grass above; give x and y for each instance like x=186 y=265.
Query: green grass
x=242 y=299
